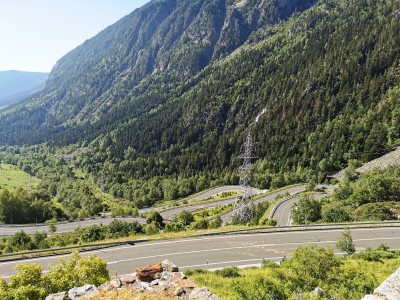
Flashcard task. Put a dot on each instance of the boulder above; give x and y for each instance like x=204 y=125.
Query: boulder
x=111 y=285
x=59 y=296
x=83 y=291
x=128 y=279
x=202 y=294
x=148 y=273
x=179 y=279
x=116 y=283
x=180 y=292
x=169 y=266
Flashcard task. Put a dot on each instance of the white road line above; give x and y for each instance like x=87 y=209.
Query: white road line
x=245 y=248
x=288 y=203
x=63 y=255
x=109 y=250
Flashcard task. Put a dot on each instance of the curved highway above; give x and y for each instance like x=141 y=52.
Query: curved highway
x=205 y=195
x=271 y=197
x=222 y=251
x=62 y=227
x=167 y=213
x=282 y=213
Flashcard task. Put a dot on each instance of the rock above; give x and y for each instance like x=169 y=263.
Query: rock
x=153 y=283
x=128 y=279
x=83 y=291
x=388 y=290
x=179 y=279
x=317 y=291
x=144 y=285
x=111 y=285
x=169 y=266
x=372 y=297
x=106 y=287
x=148 y=273
x=202 y=294
x=179 y=291
x=116 y=283
x=59 y=296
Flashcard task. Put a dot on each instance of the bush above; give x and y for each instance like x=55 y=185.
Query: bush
x=231 y=272
x=201 y=224
x=216 y=223
x=174 y=227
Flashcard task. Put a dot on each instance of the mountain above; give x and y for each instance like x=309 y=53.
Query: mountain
x=172 y=90
x=17 y=85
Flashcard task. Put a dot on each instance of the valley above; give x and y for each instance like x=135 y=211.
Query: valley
x=215 y=134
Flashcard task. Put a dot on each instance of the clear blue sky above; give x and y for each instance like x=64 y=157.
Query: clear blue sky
x=34 y=34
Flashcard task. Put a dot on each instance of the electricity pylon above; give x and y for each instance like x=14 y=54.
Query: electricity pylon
x=243 y=211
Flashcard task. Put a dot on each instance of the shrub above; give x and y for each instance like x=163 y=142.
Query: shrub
x=231 y=272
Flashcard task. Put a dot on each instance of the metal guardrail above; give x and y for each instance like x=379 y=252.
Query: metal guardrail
x=25 y=254
x=273 y=211
x=307 y=227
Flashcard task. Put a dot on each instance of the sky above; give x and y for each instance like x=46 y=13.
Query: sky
x=34 y=34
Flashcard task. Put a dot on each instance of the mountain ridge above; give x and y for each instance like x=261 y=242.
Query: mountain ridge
x=329 y=91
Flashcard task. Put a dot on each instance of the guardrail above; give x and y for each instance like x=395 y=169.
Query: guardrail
x=307 y=227
x=66 y=222
x=55 y=251
x=273 y=211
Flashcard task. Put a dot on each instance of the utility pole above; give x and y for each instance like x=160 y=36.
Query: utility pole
x=29 y=183
x=242 y=209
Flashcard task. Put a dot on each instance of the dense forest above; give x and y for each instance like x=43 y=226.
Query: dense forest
x=153 y=108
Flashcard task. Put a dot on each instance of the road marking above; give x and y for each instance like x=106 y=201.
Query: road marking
x=288 y=203
x=243 y=248
x=109 y=250
x=63 y=255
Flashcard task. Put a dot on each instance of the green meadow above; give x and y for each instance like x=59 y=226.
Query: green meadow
x=12 y=178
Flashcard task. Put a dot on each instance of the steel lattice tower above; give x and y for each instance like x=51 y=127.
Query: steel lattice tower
x=243 y=210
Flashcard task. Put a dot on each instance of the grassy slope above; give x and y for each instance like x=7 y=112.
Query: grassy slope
x=12 y=178
x=224 y=287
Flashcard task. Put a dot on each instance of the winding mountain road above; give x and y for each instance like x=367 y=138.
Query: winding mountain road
x=282 y=213
x=222 y=251
x=166 y=212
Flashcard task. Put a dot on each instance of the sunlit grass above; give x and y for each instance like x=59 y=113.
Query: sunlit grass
x=12 y=178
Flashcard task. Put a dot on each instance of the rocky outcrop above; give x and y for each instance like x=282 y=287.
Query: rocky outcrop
x=390 y=159
x=388 y=290
x=162 y=278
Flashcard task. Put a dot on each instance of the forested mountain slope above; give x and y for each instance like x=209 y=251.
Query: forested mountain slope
x=166 y=41
x=170 y=91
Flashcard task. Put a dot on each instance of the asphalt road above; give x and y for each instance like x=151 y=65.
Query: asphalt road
x=271 y=197
x=170 y=213
x=7 y=230
x=282 y=214
x=222 y=251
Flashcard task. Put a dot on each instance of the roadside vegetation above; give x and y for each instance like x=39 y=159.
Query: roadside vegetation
x=312 y=272
x=371 y=196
